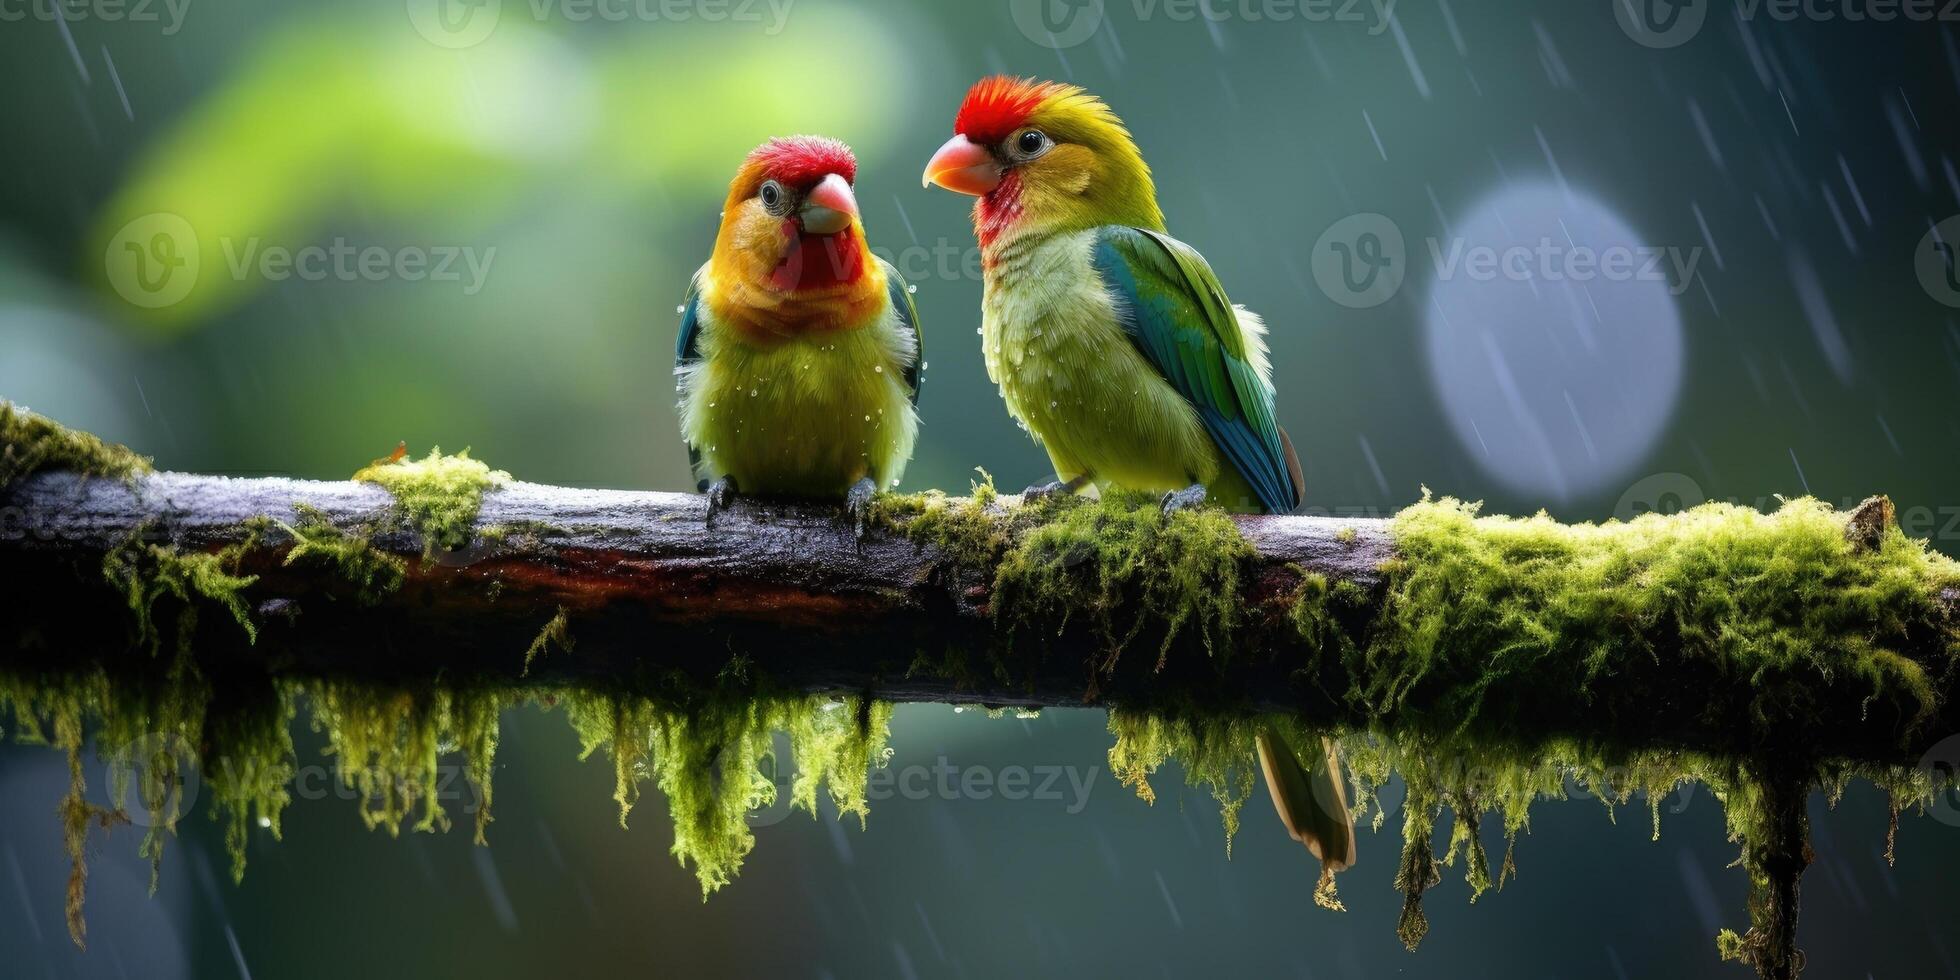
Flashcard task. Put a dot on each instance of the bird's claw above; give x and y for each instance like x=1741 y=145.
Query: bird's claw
x=857 y=504
x=1042 y=491
x=720 y=494
x=1189 y=497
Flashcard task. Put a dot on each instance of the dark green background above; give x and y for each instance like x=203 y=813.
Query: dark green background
x=593 y=156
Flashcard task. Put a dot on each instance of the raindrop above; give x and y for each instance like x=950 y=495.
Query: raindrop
x=117 y=79
x=1707 y=134
x=1371 y=132
x=1714 y=250
x=1409 y=57
x=1858 y=199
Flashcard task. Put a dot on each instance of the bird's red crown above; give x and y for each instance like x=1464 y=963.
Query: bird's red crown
x=800 y=161
x=998 y=105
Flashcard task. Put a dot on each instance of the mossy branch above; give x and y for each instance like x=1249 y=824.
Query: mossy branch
x=1485 y=660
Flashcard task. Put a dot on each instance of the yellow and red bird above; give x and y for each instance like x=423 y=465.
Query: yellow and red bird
x=799 y=360
x=1111 y=341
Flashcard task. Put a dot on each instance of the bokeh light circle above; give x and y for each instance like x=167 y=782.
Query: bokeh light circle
x=1554 y=338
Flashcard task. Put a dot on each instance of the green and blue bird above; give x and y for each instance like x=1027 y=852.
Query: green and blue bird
x=1115 y=345
x=1110 y=340
x=799 y=358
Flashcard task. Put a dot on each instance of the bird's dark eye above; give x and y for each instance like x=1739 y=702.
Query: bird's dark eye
x=1030 y=143
x=771 y=194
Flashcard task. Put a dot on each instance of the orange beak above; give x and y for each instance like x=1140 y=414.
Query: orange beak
x=963 y=167
x=830 y=207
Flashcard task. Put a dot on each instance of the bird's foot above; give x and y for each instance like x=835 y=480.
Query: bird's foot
x=1059 y=488
x=1037 y=492
x=1184 y=499
x=857 y=504
x=720 y=494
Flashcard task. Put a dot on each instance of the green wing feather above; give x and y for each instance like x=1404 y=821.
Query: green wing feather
x=1176 y=313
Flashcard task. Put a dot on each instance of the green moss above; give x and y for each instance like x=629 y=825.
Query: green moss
x=248 y=767
x=1324 y=616
x=557 y=632
x=1116 y=567
x=714 y=760
x=1784 y=625
x=1133 y=570
x=439 y=496
x=971 y=531
x=1216 y=751
x=30 y=444
x=388 y=746
x=835 y=749
x=153 y=720
x=147 y=573
x=350 y=555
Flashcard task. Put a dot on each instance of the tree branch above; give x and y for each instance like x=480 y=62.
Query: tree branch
x=647 y=586
x=643 y=579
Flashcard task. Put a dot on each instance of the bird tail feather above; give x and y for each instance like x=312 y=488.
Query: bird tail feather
x=1293 y=470
x=1311 y=800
